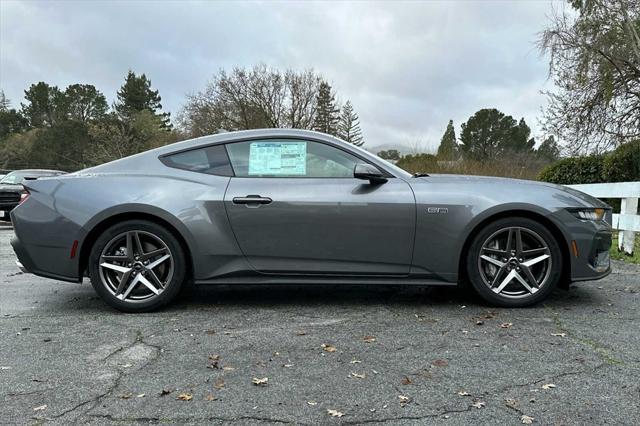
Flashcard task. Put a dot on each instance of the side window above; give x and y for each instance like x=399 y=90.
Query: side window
x=211 y=160
x=289 y=158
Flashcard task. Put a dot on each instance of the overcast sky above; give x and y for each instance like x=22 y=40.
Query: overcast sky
x=407 y=67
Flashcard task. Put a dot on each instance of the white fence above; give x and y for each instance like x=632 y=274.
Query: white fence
x=628 y=221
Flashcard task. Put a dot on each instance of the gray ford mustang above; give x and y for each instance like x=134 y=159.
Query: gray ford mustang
x=291 y=206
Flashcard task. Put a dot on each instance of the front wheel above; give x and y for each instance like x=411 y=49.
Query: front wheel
x=514 y=262
x=137 y=266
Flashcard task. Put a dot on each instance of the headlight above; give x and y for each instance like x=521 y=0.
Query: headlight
x=589 y=214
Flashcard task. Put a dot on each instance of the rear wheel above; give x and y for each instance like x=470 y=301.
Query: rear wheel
x=514 y=262
x=137 y=266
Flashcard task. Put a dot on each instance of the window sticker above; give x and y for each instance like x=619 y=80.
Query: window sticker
x=278 y=158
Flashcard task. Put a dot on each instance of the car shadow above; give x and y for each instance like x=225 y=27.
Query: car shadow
x=359 y=295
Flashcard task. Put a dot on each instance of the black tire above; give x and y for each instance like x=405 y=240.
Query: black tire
x=149 y=229
x=479 y=276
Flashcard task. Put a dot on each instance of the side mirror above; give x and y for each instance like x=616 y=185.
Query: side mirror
x=368 y=172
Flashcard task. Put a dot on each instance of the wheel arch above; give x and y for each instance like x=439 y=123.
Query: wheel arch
x=100 y=225
x=557 y=232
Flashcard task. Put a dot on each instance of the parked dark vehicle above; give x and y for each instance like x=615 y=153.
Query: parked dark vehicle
x=11 y=189
x=290 y=206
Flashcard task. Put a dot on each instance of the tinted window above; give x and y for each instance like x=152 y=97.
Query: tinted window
x=212 y=160
x=289 y=158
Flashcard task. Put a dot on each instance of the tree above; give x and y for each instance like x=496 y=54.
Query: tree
x=45 y=105
x=11 y=121
x=448 y=149
x=259 y=97
x=348 y=128
x=4 y=102
x=595 y=65
x=390 y=154
x=113 y=138
x=62 y=146
x=549 y=149
x=136 y=96
x=85 y=103
x=489 y=134
x=327 y=113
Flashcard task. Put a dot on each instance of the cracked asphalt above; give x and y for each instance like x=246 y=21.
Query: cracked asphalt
x=403 y=355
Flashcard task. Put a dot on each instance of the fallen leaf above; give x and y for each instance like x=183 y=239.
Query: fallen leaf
x=559 y=334
x=369 y=339
x=165 y=391
x=464 y=393
x=260 y=382
x=40 y=407
x=506 y=325
x=185 y=397
x=478 y=404
x=328 y=348
x=548 y=386
x=312 y=403
x=335 y=413
x=406 y=380
x=358 y=376
x=440 y=362
x=219 y=384
x=210 y=397
x=527 y=420
x=404 y=400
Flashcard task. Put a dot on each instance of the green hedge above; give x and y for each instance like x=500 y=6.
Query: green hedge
x=621 y=165
x=574 y=170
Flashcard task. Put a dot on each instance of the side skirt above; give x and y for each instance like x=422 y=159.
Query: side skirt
x=302 y=280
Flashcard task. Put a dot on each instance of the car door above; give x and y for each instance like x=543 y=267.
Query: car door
x=295 y=207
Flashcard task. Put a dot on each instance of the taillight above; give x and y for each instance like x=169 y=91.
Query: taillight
x=24 y=196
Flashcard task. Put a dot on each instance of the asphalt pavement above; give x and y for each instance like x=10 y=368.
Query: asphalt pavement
x=318 y=355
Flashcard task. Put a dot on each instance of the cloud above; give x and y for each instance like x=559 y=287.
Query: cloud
x=408 y=67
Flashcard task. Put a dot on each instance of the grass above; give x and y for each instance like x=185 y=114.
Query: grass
x=619 y=255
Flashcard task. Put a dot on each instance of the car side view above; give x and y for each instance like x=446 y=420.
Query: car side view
x=285 y=206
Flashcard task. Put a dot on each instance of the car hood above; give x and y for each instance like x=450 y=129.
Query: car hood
x=581 y=199
x=11 y=188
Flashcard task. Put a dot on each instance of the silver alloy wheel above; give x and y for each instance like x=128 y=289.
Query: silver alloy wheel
x=136 y=266
x=515 y=262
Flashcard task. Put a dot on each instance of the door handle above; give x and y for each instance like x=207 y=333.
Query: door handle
x=252 y=199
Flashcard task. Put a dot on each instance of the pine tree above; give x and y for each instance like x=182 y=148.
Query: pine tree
x=327 y=114
x=349 y=126
x=4 y=102
x=549 y=149
x=136 y=96
x=448 y=149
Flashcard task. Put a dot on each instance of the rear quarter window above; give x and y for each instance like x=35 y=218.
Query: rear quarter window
x=211 y=160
